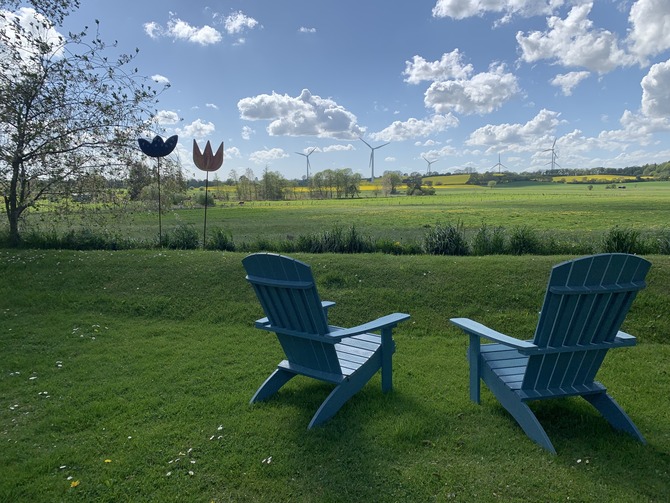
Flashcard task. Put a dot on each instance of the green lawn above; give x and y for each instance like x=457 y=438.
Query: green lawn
x=130 y=373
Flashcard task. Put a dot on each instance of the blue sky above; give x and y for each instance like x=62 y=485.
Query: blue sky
x=459 y=82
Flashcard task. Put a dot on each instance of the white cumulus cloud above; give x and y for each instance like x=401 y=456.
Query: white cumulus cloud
x=179 y=29
x=198 y=129
x=166 y=117
x=656 y=91
x=304 y=115
x=233 y=153
x=265 y=156
x=449 y=66
x=338 y=148
x=575 y=42
x=517 y=137
x=246 y=132
x=568 y=81
x=461 y=9
x=413 y=128
x=482 y=93
x=650 y=32
x=238 y=22
x=160 y=79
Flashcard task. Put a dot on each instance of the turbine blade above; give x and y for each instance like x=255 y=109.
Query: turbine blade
x=365 y=142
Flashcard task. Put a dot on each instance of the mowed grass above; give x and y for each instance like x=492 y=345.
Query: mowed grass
x=128 y=374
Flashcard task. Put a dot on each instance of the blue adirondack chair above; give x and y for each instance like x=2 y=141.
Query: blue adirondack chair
x=586 y=301
x=346 y=357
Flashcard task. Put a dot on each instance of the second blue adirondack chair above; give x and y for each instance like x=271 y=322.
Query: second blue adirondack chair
x=586 y=301
x=346 y=357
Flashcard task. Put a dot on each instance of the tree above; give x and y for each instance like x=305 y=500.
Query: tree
x=67 y=109
x=139 y=176
x=272 y=185
x=56 y=10
x=390 y=182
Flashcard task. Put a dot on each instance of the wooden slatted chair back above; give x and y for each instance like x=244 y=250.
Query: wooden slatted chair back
x=585 y=304
x=287 y=292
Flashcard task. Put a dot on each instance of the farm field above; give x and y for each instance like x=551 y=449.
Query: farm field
x=566 y=210
x=133 y=385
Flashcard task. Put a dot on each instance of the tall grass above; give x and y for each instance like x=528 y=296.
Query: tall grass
x=622 y=240
x=446 y=239
x=440 y=239
x=489 y=240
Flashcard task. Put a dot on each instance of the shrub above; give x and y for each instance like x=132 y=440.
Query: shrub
x=202 y=197
x=663 y=243
x=220 y=240
x=446 y=240
x=489 y=241
x=622 y=240
x=75 y=239
x=392 y=247
x=524 y=240
x=182 y=237
x=336 y=240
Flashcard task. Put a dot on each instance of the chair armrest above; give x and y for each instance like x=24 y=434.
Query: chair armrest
x=326 y=305
x=388 y=321
x=473 y=328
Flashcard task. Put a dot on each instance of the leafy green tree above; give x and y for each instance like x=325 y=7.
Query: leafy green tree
x=390 y=182
x=69 y=108
x=272 y=185
x=139 y=176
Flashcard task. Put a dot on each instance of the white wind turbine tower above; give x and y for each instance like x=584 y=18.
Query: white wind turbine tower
x=554 y=156
x=499 y=165
x=372 y=156
x=307 y=157
x=430 y=163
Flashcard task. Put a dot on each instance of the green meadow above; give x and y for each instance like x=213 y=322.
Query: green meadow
x=126 y=376
x=567 y=211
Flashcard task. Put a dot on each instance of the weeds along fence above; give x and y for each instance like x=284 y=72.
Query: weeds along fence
x=440 y=239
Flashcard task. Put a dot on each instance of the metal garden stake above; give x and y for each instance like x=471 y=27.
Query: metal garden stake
x=207 y=161
x=158 y=148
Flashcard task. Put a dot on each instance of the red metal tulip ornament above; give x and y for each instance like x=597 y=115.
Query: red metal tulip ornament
x=207 y=161
x=158 y=148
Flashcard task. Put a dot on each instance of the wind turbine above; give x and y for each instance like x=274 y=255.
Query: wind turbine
x=554 y=156
x=307 y=157
x=372 y=156
x=430 y=163
x=499 y=165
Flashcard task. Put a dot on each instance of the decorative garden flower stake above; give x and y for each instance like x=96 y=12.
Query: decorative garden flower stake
x=158 y=148
x=207 y=161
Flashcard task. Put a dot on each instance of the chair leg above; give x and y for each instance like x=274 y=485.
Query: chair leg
x=473 y=358
x=344 y=391
x=387 y=349
x=614 y=414
x=337 y=398
x=272 y=384
x=519 y=410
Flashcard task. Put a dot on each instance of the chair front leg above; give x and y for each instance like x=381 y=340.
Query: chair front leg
x=475 y=373
x=388 y=348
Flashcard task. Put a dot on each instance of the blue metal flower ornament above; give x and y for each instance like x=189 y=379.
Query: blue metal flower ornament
x=157 y=147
